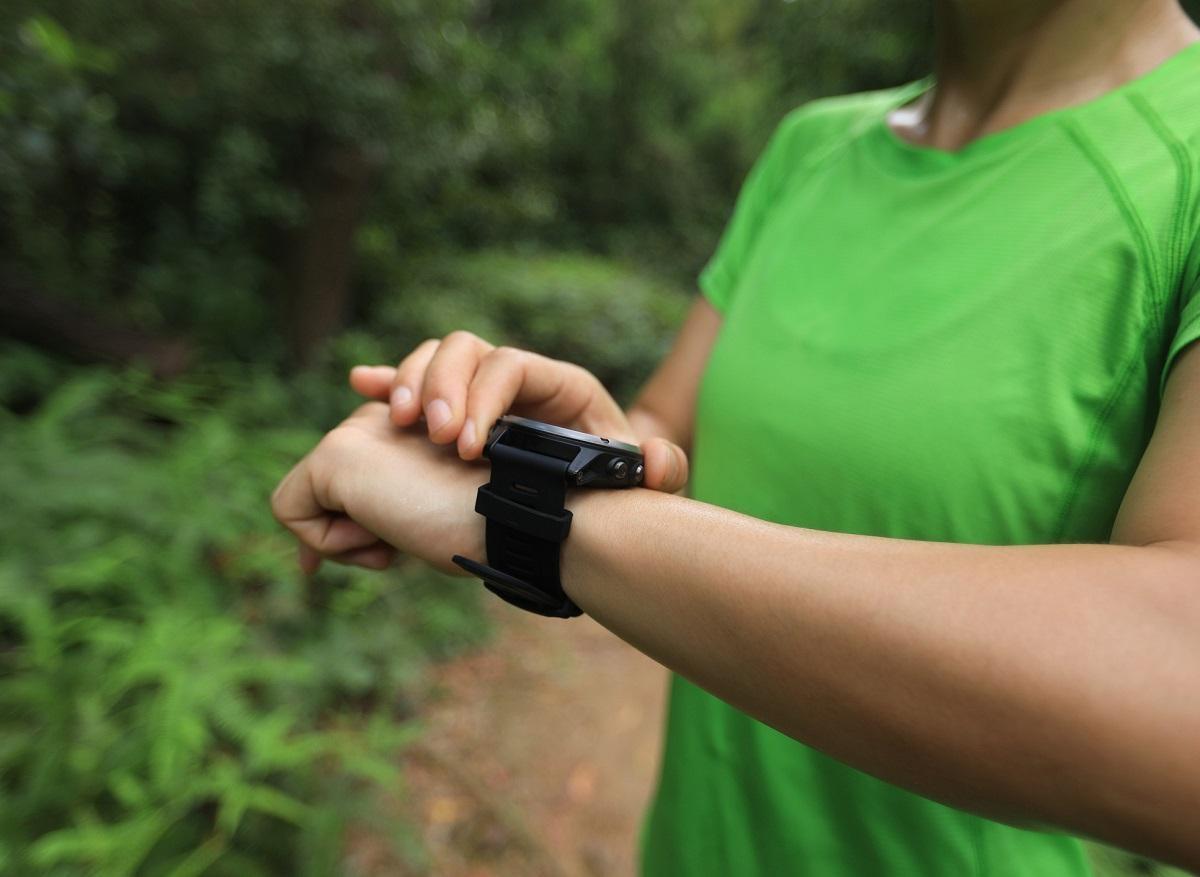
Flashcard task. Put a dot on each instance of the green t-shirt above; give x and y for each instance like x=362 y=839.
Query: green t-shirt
x=963 y=347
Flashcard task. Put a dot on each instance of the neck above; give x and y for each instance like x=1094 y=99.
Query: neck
x=1000 y=62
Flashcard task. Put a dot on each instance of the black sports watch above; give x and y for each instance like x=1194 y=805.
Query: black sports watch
x=533 y=465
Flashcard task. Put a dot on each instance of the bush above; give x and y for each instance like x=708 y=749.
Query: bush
x=612 y=319
x=194 y=170
x=166 y=160
x=174 y=697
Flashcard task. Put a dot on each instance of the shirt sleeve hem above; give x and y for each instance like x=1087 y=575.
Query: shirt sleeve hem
x=716 y=286
x=1189 y=332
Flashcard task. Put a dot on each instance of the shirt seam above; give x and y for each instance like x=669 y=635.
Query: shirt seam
x=1179 y=238
x=1141 y=238
x=981 y=868
x=1179 y=154
x=1125 y=205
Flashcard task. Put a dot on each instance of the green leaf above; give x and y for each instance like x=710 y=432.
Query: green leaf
x=44 y=33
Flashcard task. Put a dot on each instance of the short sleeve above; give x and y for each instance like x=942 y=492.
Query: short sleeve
x=1188 y=331
x=720 y=276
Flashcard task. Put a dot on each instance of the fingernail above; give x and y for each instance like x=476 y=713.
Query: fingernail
x=437 y=414
x=401 y=395
x=467 y=438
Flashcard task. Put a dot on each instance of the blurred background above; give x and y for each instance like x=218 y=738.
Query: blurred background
x=208 y=212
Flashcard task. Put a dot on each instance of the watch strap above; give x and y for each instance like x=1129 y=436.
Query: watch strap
x=526 y=525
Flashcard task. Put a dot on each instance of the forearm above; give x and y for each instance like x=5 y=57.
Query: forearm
x=1025 y=683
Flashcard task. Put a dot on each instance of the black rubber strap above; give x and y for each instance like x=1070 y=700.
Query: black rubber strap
x=552 y=528
x=526 y=524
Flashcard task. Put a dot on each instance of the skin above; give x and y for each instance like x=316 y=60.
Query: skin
x=985 y=677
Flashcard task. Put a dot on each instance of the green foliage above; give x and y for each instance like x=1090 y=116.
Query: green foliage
x=159 y=157
x=165 y=162
x=611 y=319
x=174 y=697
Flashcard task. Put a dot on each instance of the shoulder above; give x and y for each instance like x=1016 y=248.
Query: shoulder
x=1144 y=139
x=1150 y=123
x=819 y=126
x=842 y=112
x=1166 y=106
x=1168 y=97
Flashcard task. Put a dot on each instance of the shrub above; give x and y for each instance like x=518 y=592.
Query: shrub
x=612 y=319
x=174 y=697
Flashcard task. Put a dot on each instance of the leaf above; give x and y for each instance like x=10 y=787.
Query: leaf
x=46 y=34
x=201 y=858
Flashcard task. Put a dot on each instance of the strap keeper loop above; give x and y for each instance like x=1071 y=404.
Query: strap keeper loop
x=551 y=528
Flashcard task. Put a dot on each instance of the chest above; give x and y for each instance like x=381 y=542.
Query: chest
x=935 y=364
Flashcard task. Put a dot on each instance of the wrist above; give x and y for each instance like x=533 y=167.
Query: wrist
x=595 y=522
x=433 y=523
x=541 y=475
x=469 y=528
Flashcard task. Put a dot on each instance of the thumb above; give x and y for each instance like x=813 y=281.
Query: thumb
x=666 y=465
x=373 y=381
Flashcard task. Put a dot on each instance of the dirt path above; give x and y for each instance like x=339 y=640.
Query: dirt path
x=538 y=755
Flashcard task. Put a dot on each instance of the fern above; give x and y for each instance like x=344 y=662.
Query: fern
x=174 y=698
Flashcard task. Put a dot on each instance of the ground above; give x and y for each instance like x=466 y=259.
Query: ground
x=537 y=757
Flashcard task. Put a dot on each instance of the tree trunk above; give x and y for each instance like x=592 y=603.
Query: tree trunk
x=322 y=256
x=84 y=333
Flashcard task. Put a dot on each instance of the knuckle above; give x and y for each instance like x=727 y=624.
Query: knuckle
x=508 y=355
x=365 y=410
x=426 y=348
x=335 y=443
x=438 y=380
x=579 y=373
x=462 y=336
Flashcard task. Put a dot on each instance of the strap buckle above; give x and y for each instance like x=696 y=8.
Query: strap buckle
x=517 y=592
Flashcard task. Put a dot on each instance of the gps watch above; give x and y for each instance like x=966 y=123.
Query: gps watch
x=533 y=465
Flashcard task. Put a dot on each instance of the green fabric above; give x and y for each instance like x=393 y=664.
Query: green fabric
x=962 y=347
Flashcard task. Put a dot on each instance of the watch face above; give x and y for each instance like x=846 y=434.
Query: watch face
x=591 y=460
x=570 y=434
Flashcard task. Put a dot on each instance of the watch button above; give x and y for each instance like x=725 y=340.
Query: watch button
x=619 y=469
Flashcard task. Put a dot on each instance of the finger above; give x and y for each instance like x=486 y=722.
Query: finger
x=296 y=506
x=328 y=536
x=666 y=465
x=373 y=381
x=444 y=392
x=405 y=393
x=342 y=535
x=506 y=378
x=377 y=556
x=310 y=561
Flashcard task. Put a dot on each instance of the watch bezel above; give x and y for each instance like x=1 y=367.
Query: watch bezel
x=595 y=441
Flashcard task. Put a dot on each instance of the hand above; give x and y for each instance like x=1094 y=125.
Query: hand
x=368 y=489
x=462 y=384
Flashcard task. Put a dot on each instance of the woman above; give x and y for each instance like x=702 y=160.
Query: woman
x=942 y=563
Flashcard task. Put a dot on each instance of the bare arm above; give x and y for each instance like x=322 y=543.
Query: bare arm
x=1055 y=685
x=667 y=404
x=1049 y=685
